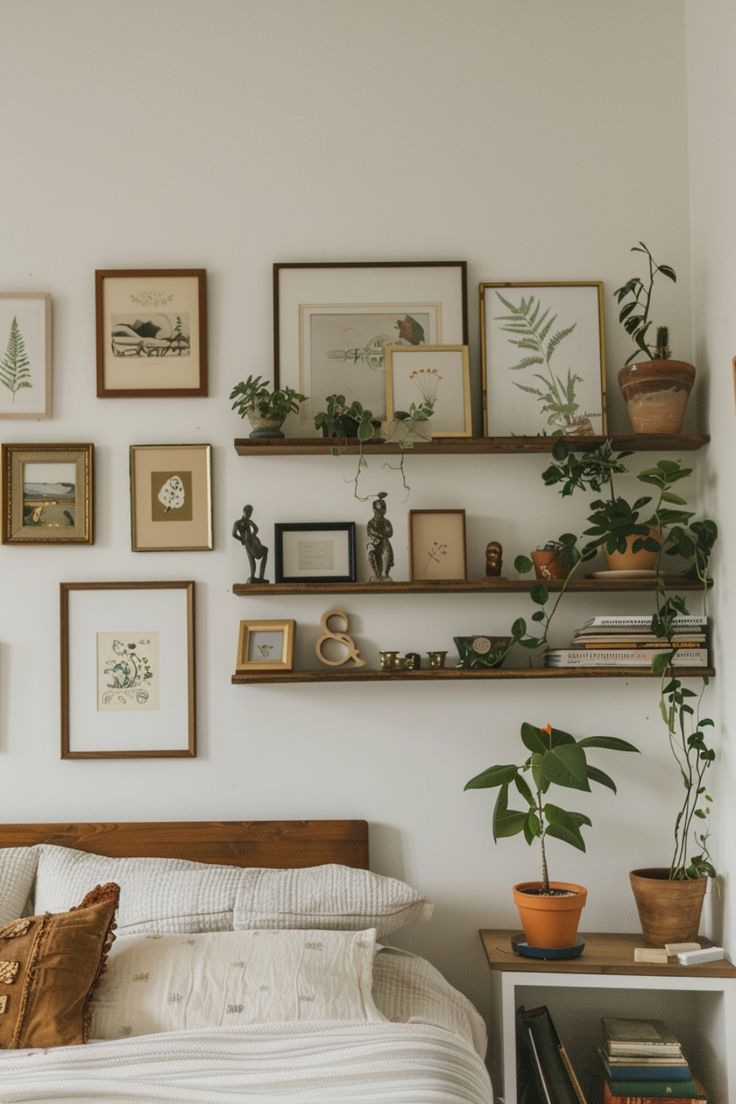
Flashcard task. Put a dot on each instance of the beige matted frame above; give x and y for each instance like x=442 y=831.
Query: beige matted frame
x=246 y=636
x=171 y=498
x=429 y=532
x=15 y=527
x=419 y=355
x=38 y=358
x=151 y=292
x=540 y=342
x=79 y=649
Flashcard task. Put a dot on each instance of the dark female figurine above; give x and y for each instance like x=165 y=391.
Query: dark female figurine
x=380 y=552
x=245 y=530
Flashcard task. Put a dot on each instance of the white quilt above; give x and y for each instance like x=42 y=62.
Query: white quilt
x=432 y=1056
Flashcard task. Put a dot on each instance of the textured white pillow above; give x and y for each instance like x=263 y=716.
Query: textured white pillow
x=174 y=895
x=330 y=896
x=17 y=871
x=157 y=983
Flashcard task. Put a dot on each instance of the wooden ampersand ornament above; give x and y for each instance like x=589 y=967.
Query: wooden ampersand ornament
x=339 y=634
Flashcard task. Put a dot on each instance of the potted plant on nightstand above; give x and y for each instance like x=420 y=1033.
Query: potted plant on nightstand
x=549 y=911
x=656 y=389
x=265 y=408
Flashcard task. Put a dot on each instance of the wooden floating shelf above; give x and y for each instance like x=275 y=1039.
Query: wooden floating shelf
x=465 y=586
x=448 y=674
x=466 y=446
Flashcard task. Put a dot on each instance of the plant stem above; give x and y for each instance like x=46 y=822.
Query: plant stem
x=545 y=872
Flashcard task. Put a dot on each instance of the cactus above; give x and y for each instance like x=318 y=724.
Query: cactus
x=663 y=343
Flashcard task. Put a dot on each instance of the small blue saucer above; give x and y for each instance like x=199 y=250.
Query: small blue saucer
x=520 y=946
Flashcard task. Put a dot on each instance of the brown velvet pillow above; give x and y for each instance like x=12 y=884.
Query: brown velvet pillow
x=49 y=966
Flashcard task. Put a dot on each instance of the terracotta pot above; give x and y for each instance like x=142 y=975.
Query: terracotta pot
x=264 y=427
x=642 y=560
x=548 y=565
x=669 y=911
x=656 y=393
x=550 y=921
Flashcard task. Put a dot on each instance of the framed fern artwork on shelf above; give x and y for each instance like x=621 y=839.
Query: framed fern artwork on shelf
x=543 y=359
x=25 y=354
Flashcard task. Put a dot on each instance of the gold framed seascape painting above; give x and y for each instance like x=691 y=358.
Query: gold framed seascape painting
x=265 y=646
x=171 y=498
x=25 y=354
x=127 y=670
x=543 y=358
x=47 y=494
x=151 y=333
x=433 y=376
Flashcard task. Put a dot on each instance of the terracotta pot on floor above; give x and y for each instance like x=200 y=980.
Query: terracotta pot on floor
x=669 y=911
x=550 y=921
x=656 y=393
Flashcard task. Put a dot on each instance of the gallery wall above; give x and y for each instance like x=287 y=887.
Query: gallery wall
x=239 y=133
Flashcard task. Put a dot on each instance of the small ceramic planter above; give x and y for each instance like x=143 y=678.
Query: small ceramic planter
x=264 y=427
x=548 y=565
x=643 y=560
x=550 y=921
x=656 y=393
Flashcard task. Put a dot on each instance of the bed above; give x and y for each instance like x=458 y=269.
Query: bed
x=421 y=1042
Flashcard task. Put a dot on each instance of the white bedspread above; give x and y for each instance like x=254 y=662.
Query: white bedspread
x=432 y=1057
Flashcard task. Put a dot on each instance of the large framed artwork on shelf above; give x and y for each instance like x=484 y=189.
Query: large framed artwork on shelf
x=25 y=354
x=333 y=320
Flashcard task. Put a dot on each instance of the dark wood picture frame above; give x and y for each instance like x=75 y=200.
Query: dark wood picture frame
x=197 y=389
x=77 y=648
x=462 y=559
x=282 y=528
x=13 y=529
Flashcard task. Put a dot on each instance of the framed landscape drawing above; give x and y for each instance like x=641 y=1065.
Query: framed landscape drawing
x=437 y=545
x=171 y=498
x=25 y=354
x=332 y=322
x=543 y=358
x=439 y=374
x=127 y=670
x=265 y=646
x=315 y=552
x=47 y=494
x=151 y=333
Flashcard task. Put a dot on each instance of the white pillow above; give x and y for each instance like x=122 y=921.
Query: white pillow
x=175 y=895
x=156 y=983
x=17 y=871
x=330 y=896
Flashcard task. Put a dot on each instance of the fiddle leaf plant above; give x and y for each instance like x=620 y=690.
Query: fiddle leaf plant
x=555 y=758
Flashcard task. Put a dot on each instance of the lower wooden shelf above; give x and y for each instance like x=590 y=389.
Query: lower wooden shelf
x=449 y=674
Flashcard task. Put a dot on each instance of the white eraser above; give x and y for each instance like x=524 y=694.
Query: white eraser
x=696 y=958
x=676 y=948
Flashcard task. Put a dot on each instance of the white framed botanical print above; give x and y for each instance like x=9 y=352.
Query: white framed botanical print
x=25 y=354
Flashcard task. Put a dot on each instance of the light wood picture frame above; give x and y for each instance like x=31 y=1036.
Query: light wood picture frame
x=437 y=546
x=171 y=498
x=151 y=333
x=25 y=354
x=436 y=373
x=128 y=670
x=266 y=646
x=48 y=494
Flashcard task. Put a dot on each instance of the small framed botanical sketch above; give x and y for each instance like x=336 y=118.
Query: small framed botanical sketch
x=438 y=375
x=171 y=498
x=265 y=646
x=25 y=354
x=543 y=358
x=437 y=545
x=127 y=670
x=48 y=494
x=151 y=333
x=316 y=552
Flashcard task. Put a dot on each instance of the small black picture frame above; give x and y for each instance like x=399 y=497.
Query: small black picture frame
x=315 y=552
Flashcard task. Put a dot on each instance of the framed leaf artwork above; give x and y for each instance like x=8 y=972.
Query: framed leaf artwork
x=25 y=354
x=171 y=498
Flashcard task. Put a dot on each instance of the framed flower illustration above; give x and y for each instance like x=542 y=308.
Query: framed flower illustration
x=171 y=498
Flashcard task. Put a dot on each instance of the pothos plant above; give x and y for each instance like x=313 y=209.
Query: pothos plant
x=555 y=758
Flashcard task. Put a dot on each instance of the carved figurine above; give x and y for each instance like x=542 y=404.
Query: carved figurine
x=380 y=552
x=340 y=637
x=494 y=559
x=245 y=530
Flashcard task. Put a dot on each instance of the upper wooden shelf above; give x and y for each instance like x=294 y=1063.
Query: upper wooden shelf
x=462 y=446
x=465 y=586
x=447 y=674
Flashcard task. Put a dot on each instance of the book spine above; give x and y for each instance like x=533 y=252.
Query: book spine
x=624 y=657
x=545 y=1041
x=656 y=1089
x=611 y=1097
x=684 y=620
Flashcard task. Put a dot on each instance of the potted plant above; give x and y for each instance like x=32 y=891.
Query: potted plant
x=412 y=426
x=553 y=560
x=340 y=420
x=549 y=911
x=265 y=408
x=656 y=389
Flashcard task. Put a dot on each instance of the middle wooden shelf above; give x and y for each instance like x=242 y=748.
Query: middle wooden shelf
x=467 y=586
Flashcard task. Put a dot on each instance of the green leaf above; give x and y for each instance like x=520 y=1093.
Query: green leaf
x=532 y=738
x=518 y=629
x=612 y=743
x=596 y=775
x=523 y=564
x=493 y=776
x=506 y=822
x=661 y=662
x=523 y=788
x=562 y=826
x=566 y=765
x=539 y=594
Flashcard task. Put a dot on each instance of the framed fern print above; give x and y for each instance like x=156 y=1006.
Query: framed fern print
x=25 y=354
x=543 y=359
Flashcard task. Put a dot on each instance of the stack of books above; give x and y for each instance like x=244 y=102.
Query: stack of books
x=643 y=1063
x=629 y=642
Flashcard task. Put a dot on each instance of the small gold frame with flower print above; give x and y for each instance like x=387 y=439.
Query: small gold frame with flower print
x=434 y=379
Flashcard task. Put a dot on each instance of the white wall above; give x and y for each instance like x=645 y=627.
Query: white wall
x=231 y=135
x=711 y=35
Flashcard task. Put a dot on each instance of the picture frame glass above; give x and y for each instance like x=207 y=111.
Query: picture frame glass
x=171 y=498
x=319 y=553
x=265 y=646
x=25 y=355
x=437 y=545
x=440 y=373
x=333 y=322
x=49 y=494
x=543 y=359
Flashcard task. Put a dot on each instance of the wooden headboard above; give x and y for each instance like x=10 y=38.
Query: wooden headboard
x=271 y=843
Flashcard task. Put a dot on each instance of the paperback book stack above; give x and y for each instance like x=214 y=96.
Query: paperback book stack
x=643 y=1063
x=630 y=642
